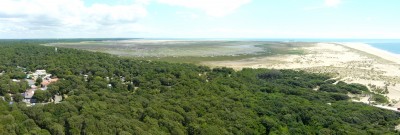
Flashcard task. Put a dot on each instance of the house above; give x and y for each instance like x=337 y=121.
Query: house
x=31 y=83
x=28 y=96
x=33 y=87
x=86 y=77
x=39 y=73
x=15 y=80
x=31 y=78
x=57 y=99
x=46 y=82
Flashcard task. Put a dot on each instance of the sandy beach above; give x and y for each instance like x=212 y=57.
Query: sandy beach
x=374 y=51
x=349 y=62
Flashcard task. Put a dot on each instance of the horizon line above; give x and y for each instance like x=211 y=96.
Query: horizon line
x=160 y=38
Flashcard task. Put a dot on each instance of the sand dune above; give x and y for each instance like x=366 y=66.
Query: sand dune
x=350 y=62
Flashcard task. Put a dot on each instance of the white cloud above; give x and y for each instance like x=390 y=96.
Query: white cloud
x=332 y=3
x=216 y=8
x=37 y=17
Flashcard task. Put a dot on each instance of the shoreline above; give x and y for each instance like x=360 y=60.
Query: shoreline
x=393 y=57
x=391 y=68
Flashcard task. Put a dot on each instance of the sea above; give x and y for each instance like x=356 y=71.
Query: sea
x=390 y=45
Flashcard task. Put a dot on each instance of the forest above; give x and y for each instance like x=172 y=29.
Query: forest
x=153 y=97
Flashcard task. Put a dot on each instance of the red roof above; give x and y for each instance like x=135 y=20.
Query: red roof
x=47 y=82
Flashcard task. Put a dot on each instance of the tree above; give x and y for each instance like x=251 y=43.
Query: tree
x=331 y=88
x=56 y=129
x=379 y=98
x=131 y=87
x=39 y=81
x=18 y=75
x=273 y=74
x=23 y=85
x=268 y=123
x=175 y=99
x=41 y=96
x=4 y=89
x=14 y=87
x=7 y=97
x=18 y=97
x=53 y=89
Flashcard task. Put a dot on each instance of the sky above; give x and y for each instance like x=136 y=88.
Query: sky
x=365 y=19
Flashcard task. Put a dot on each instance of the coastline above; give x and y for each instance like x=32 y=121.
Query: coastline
x=391 y=70
x=374 y=51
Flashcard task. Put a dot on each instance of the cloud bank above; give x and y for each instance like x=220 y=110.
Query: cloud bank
x=73 y=18
x=66 y=17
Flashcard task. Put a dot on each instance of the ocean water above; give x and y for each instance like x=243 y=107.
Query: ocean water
x=391 y=47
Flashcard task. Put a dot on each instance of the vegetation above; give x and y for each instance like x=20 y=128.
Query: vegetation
x=9 y=86
x=379 y=98
x=163 y=98
x=181 y=51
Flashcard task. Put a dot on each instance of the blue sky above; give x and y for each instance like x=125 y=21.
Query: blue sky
x=200 y=18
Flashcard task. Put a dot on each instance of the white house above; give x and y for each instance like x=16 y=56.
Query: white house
x=39 y=73
x=28 y=96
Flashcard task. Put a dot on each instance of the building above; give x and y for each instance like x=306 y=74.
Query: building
x=46 y=82
x=28 y=96
x=15 y=80
x=39 y=73
x=31 y=83
x=31 y=78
